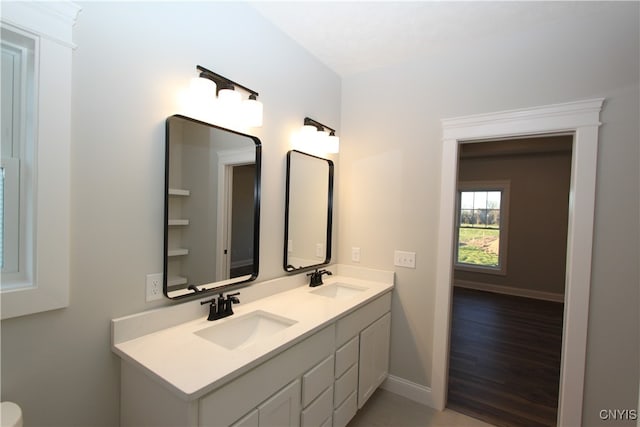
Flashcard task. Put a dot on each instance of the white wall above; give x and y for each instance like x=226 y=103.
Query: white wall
x=131 y=60
x=390 y=166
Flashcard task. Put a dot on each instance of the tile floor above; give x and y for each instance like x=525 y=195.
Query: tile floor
x=386 y=409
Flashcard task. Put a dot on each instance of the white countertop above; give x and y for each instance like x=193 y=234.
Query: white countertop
x=192 y=366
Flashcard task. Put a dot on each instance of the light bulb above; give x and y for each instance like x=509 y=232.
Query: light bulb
x=308 y=132
x=252 y=112
x=228 y=111
x=229 y=97
x=201 y=87
x=321 y=138
x=332 y=144
x=197 y=101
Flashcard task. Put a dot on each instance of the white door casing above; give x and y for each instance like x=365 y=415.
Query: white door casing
x=582 y=119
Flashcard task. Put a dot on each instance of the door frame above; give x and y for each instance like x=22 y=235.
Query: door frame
x=582 y=119
x=226 y=161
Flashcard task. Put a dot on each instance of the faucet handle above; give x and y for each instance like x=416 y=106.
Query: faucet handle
x=232 y=298
x=316 y=277
x=213 y=314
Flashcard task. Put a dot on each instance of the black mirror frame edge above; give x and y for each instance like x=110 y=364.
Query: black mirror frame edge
x=329 y=217
x=256 y=225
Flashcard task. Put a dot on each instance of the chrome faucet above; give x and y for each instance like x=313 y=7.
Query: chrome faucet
x=221 y=307
x=316 y=277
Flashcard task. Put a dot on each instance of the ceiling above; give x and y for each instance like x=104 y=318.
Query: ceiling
x=352 y=37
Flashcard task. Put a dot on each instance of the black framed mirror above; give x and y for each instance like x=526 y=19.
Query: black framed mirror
x=211 y=209
x=308 y=212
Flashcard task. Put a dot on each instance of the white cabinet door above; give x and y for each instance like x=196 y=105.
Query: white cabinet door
x=282 y=409
x=249 y=420
x=374 y=357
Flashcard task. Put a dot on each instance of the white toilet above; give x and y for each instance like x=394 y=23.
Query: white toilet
x=11 y=415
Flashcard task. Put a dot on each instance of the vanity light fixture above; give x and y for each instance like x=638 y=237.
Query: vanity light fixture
x=213 y=98
x=315 y=137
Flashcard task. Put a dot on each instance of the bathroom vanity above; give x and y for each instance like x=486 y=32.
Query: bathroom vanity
x=299 y=356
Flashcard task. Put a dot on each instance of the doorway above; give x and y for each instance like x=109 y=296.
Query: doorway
x=235 y=214
x=509 y=277
x=241 y=217
x=581 y=118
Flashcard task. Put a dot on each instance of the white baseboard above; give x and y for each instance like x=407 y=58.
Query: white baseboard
x=410 y=390
x=507 y=290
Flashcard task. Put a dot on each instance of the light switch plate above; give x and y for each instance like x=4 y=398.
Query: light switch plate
x=355 y=254
x=404 y=259
x=319 y=250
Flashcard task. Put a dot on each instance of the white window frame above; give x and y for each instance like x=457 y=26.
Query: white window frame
x=47 y=288
x=504 y=188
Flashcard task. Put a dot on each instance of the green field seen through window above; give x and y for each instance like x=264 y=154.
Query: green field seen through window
x=479 y=246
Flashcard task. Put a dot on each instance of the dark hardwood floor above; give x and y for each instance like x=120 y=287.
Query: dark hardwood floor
x=504 y=364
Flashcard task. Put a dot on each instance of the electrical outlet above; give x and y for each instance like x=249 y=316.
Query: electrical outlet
x=154 y=286
x=404 y=259
x=319 y=250
x=355 y=254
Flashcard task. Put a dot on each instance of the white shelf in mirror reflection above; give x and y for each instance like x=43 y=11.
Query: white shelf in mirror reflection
x=179 y=192
x=177 y=222
x=176 y=281
x=178 y=252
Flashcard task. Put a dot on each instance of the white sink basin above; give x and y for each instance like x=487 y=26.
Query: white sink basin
x=244 y=330
x=338 y=290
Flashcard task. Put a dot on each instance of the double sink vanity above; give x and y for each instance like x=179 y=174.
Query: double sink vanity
x=239 y=352
x=298 y=356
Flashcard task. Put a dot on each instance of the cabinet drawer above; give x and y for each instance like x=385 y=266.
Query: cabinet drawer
x=316 y=380
x=351 y=325
x=346 y=356
x=343 y=414
x=345 y=385
x=318 y=412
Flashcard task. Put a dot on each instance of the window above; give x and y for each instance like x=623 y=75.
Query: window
x=481 y=227
x=17 y=167
x=37 y=49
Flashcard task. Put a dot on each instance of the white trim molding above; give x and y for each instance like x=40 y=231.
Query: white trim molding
x=582 y=119
x=510 y=290
x=52 y=20
x=405 y=388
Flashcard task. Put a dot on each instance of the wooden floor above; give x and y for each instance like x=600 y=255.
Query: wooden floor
x=504 y=365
